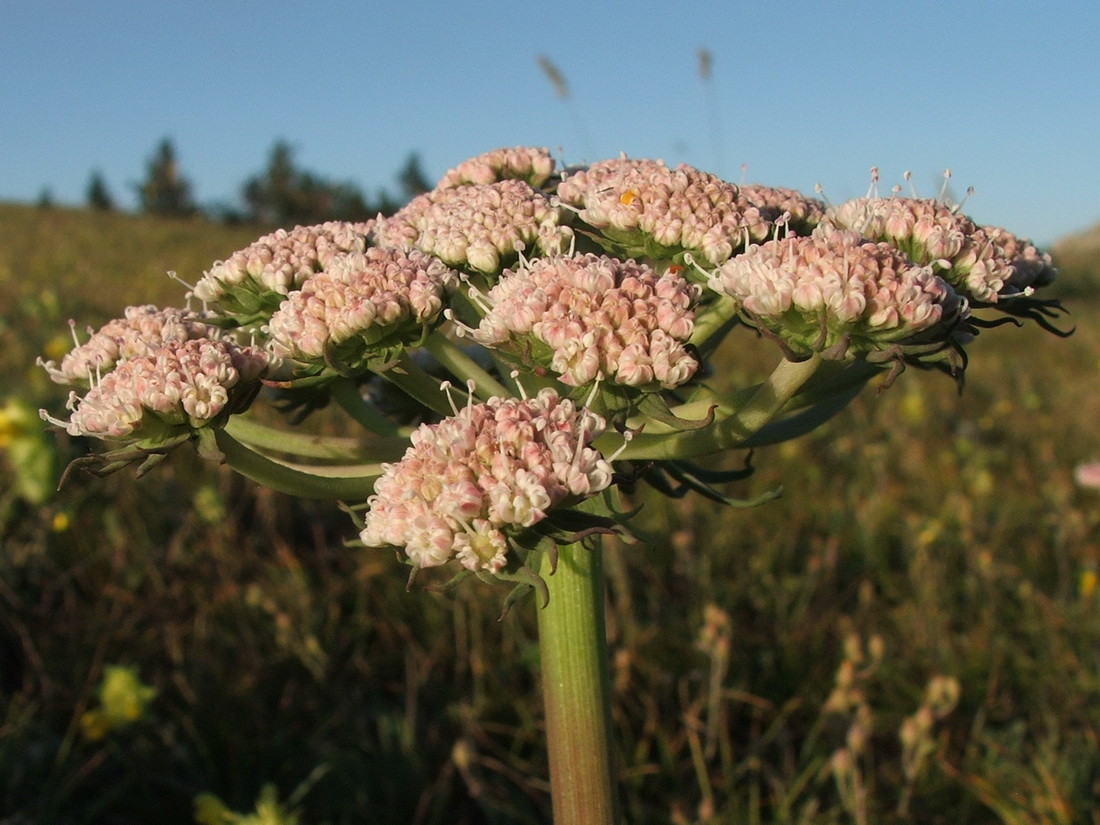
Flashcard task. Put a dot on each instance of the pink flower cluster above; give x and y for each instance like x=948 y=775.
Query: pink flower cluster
x=601 y=318
x=1087 y=475
x=141 y=331
x=803 y=214
x=177 y=387
x=837 y=283
x=984 y=263
x=477 y=227
x=678 y=209
x=374 y=295
x=535 y=166
x=283 y=260
x=469 y=481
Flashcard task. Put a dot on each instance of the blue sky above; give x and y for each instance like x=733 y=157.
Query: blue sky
x=1003 y=93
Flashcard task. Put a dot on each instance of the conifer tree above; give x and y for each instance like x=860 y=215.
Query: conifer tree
x=98 y=196
x=165 y=191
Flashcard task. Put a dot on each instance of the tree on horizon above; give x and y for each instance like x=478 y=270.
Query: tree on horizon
x=285 y=195
x=165 y=191
x=97 y=195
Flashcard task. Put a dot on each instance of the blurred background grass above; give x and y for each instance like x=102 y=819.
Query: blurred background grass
x=910 y=634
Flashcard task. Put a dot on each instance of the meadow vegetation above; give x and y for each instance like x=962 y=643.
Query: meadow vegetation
x=910 y=634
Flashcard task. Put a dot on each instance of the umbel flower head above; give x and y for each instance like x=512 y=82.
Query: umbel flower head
x=470 y=483
x=591 y=318
x=141 y=331
x=838 y=293
x=533 y=166
x=362 y=306
x=248 y=286
x=175 y=390
x=641 y=208
x=986 y=264
x=477 y=228
x=799 y=213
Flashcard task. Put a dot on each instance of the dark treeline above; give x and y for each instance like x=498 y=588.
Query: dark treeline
x=281 y=195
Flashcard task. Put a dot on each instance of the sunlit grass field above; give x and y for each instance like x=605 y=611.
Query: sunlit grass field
x=910 y=634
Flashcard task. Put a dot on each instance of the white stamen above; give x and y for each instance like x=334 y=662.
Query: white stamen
x=958 y=206
x=461 y=329
x=627 y=437
x=172 y=276
x=480 y=299
x=519 y=386
x=445 y=387
x=783 y=220
x=872 y=190
x=908 y=175
x=593 y=391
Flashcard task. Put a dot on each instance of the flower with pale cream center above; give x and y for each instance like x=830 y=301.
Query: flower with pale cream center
x=472 y=480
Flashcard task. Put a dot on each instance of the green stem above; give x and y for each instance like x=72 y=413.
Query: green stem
x=712 y=322
x=576 y=691
x=351 y=482
x=411 y=378
x=261 y=437
x=348 y=395
x=786 y=380
x=463 y=366
x=766 y=402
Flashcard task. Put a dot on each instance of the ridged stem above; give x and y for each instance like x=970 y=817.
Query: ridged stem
x=576 y=690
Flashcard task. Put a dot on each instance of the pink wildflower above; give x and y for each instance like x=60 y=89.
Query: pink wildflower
x=282 y=261
x=646 y=208
x=1087 y=475
x=986 y=264
x=815 y=290
x=801 y=214
x=141 y=331
x=534 y=166
x=376 y=296
x=468 y=482
x=177 y=387
x=600 y=318
x=475 y=227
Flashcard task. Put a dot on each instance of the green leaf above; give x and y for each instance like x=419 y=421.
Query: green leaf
x=334 y=482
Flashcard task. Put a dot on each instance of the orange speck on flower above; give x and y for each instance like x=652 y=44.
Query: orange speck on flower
x=628 y=197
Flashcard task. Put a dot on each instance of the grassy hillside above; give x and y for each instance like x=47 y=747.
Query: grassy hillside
x=911 y=634
x=1078 y=257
